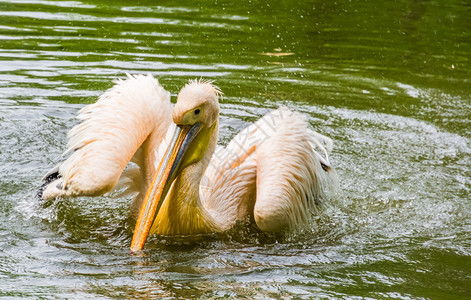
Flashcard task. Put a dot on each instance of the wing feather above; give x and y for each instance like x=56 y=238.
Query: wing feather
x=293 y=171
x=110 y=132
x=274 y=170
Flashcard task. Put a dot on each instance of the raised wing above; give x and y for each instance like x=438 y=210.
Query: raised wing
x=134 y=112
x=275 y=170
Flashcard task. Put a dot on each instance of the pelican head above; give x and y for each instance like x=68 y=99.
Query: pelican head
x=195 y=114
x=197 y=102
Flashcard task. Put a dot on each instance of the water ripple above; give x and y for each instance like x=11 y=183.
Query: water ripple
x=371 y=76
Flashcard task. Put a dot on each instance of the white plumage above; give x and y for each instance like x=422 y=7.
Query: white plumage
x=134 y=113
x=274 y=171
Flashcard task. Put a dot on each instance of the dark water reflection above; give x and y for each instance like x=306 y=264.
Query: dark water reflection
x=388 y=81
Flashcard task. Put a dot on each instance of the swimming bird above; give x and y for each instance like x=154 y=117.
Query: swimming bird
x=275 y=172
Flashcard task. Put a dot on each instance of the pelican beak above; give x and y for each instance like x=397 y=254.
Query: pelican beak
x=162 y=181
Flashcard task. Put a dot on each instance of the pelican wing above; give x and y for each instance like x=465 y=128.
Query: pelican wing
x=275 y=170
x=135 y=112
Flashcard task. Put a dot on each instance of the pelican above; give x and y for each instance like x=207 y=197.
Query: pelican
x=274 y=172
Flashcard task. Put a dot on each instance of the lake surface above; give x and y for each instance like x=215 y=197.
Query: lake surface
x=388 y=81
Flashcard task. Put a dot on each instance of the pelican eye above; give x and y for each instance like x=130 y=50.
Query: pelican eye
x=197 y=111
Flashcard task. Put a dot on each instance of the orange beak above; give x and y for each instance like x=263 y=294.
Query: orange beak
x=163 y=179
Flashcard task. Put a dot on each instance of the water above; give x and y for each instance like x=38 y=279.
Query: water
x=388 y=81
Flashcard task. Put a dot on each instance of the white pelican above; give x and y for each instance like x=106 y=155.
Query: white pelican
x=273 y=172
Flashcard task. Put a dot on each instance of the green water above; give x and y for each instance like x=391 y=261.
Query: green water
x=389 y=81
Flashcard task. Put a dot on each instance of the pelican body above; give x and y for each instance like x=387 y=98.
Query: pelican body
x=274 y=172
